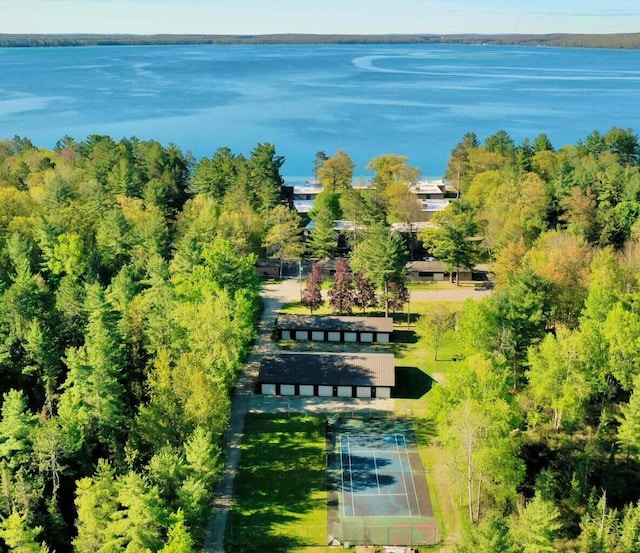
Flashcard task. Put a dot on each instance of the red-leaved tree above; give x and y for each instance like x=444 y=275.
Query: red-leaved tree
x=341 y=291
x=364 y=293
x=312 y=293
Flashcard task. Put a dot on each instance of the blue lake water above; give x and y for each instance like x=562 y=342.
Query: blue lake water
x=415 y=100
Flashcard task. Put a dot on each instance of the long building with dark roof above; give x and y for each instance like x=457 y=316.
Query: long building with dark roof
x=335 y=329
x=370 y=375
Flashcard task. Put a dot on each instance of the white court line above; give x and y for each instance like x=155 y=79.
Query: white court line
x=413 y=479
x=404 y=481
x=342 y=478
x=375 y=464
x=353 y=501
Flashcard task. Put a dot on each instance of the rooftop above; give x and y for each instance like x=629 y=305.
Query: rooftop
x=325 y=322
x=371 y=369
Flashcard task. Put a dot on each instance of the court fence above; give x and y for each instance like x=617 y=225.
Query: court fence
x=410 y=534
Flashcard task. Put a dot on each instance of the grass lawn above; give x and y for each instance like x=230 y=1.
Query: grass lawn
x=280 y=487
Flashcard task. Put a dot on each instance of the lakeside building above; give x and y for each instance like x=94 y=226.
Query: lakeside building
x=300 y=194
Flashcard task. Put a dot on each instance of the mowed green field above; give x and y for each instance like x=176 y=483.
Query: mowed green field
x=280 y=498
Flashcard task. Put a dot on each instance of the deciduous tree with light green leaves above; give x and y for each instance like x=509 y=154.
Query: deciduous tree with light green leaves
x=477 y=426
x=336 y=172
x=434 y=325
x=392 y=168
x=557 y=381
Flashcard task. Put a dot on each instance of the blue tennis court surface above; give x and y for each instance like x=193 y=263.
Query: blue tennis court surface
x=376 y=476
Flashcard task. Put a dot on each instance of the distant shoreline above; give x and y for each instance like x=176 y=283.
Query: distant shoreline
x=616 y=41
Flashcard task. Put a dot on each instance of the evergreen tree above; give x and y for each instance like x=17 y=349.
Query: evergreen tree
x=629 y=419
x=451 y=238
x=16 y=430
x=96 y=506
x=201 y=467
x=599 y=532
x=92 y=404
x=629 y=540
x=138 y=523
x=283 y=239
x=381 y=256
x=491 y=535
x=322 y=239
x=536 y=526
x=178 y=538
x=266 y=182
x=19 y=537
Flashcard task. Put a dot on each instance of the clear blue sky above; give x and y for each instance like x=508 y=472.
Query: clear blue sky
x=319 y=16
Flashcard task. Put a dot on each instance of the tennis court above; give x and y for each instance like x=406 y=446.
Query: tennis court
x=376 y=476
x=377 y=487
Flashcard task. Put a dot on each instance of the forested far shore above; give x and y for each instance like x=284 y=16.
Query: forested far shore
x=622 y=41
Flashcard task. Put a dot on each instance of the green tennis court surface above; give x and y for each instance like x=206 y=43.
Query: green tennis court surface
x=377 y=487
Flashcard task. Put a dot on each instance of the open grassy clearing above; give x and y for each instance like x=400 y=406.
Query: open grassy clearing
x=280 y=487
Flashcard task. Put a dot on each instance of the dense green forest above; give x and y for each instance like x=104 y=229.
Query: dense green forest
x=541 y=421
x=630 y=41
x=129 y=297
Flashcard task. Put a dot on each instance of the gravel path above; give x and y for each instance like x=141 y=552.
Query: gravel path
x=273 y=296
x=244 y=399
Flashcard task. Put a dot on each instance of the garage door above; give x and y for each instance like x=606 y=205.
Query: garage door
x=345 y=391
x=287 y=390
x=269 y=389
x=325 y=391
x=363 y=391
x=384 y=393
x=306 y=390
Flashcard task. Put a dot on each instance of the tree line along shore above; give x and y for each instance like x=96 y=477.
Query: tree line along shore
x=621 y=41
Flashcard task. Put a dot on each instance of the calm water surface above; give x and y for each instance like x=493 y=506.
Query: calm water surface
x=367 y=99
